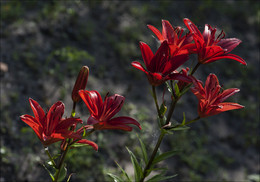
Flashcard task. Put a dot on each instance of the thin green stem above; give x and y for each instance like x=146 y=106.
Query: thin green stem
x=187 y=123
x=192 y=121
x=172 y=107
x=195 y=68
x=50 y=157
x=156 y=102
x=56 y=177
x=149 y=164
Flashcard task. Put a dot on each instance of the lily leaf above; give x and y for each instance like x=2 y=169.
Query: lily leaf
x=124 y=173
x=164 y=156
x=144 y=152
x=137 y=167
x=177 y=90
x=184 y=119
x=160 y=177
x=63 y=173
x=115 y=178
x=52 y=177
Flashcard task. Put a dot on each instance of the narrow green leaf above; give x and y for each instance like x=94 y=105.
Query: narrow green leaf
x=180 y=128
x=137 y=167
x=124 y=173
x=52 y=177
x=164 y=156
x=63 y=173
x=160 y=177
x=144 y=152
x=115 y=178
x=69 y=177
x=184 y=119
x=177 y=90
x=84 y=132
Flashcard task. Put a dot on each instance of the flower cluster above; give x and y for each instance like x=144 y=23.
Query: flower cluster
x=174 y=50
x=50 y=127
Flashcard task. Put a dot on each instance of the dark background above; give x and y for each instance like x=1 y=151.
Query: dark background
x=45 y=43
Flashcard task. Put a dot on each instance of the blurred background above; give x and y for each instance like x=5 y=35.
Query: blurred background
x=45 y=43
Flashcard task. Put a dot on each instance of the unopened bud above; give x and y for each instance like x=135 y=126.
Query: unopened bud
x=80 y=83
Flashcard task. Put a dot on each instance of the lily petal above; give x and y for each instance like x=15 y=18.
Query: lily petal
x=33 y=123
x=147 y=55
x=138 y=66
x=93 y=144
x=229 y=44
x=227 y=56
x=123 y=120
x=37 y=111
x=156 y=32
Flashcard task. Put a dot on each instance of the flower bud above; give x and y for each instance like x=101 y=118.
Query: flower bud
x=80 y=83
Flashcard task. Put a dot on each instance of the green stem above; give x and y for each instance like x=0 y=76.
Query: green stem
x=195 y=68
x=172 y=107
x=192 y=121
x=56 y=177
x=149 y=164
x=156 y=102
x=50 y=157
x=187 y=123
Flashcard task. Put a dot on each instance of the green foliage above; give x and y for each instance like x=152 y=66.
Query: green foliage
x=68 y=60
x=136 y=165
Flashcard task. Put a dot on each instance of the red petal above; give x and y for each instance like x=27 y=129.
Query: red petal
x=112 y=105
x=124 y=120
x=54 y=116
x=31 y=121
x=138 y=66
x=227 y=93
x=211 y=84
x=192 y=27
x=177 y=61
x=211 y=52
x=93 y=144
x=226 y=106
x=147 y=55
x=93 y=101
x=160 y=58
x=38 y=112
x=227 y=56
x=229 y=44
x=66 y=123
x=168 y=32
x=156 y=32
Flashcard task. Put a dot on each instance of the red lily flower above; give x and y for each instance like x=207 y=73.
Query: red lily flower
x=50 y=127
x=161 y=66
x=210 y=49
x=211 y=97
x=102 y=112
x=174 y=38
